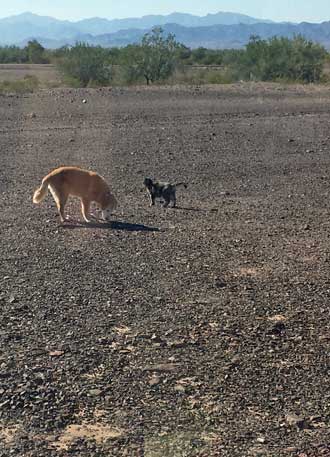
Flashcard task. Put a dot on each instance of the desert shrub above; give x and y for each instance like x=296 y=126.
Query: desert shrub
x=204 y=56
x=197 y=76
x=282 y=58
x=13 y=54
x=33 y=52
x=86 y=64
x=226 y=76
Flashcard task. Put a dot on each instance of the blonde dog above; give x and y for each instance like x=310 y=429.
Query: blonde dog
x=87 y=185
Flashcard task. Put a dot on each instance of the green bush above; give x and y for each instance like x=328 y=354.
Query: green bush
x=13 y=54
x=283 y=59
x=86 y=64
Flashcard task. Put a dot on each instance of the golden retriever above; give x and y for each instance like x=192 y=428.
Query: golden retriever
x=87 y=185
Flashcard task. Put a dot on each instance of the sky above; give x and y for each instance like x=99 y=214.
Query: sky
x=279 y=10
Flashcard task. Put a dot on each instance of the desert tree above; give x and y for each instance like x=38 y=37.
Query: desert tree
x=35 y=52
x=154 y=59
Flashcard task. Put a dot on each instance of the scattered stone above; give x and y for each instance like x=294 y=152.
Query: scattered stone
x=179 y=388
x=154 y=381
x=95 y=392
x=294 y=420
x=261 y=439
x=56 y=353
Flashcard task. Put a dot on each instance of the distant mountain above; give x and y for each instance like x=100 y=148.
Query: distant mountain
x=15 y=29
x=213 y=37
x=202 y=31
x=100 y=26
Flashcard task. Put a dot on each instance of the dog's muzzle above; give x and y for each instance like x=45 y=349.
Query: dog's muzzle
x=106 y=213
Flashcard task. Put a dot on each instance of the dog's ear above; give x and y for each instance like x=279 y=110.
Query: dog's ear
x=147 y=182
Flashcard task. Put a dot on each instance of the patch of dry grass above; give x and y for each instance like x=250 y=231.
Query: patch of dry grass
x=26 y=85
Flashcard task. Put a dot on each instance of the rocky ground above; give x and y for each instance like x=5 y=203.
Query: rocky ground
x=197 y=331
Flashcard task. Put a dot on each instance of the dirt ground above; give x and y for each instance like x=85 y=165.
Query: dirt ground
x=45 y=73
x=197 y=331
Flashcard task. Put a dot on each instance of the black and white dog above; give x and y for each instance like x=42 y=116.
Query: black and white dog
x=164 y=190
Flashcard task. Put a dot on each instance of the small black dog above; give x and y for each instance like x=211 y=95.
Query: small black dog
x=163 y=190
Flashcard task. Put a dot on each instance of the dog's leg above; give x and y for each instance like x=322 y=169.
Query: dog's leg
x=152 y=199
x=60 y=200
x=174 y=202
x=85 y=205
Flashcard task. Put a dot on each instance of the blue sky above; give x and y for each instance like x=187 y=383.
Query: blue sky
x=278 y=10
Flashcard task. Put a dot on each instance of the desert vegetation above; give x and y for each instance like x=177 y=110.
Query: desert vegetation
x=160 y=58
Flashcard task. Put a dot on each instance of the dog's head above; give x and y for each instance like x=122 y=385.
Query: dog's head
x=148 y=182
x=108 y=203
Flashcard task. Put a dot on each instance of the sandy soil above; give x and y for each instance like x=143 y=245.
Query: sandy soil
x=197 y=331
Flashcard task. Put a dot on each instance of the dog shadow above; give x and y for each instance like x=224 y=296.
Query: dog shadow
x=112 y=225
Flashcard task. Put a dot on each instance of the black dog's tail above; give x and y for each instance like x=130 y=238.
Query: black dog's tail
x=181 y=184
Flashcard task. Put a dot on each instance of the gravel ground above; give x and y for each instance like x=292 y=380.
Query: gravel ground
x=197 y=331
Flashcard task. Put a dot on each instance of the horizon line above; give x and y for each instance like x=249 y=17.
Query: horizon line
x=160 y=14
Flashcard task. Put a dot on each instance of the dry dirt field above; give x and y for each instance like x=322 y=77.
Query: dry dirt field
x=200 y=331
x=46 y=74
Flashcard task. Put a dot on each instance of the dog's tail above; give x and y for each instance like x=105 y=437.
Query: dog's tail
x=41 y=192
x=181 y=184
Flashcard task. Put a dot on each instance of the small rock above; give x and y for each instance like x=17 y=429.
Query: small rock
x=179 y=388
x=178 y=343
x=154 y=381
x=84 y=100
x=95 y=392
x=261 y=439
x=156 y=339
x=220 y=284
x=56 y=353
x=277 y=329
x=293 y=419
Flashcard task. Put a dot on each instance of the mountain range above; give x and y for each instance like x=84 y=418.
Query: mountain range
x=220 y=30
